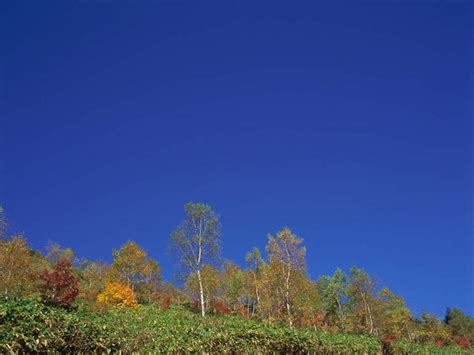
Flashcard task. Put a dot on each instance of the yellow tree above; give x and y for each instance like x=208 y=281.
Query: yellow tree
x=3 y=224
x=210 y=282
x=287 y=257
x=232 y=284
x=431 y=330
x=394 y=318
x=361 y=293
x=306 y=301
x=16 y=267
x=117 y=294
x=270 y=292
x=132 y=266
x=255 y=265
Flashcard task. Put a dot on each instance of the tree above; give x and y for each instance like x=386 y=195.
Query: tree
x=211 y=284
x=117 y=294
x=361 y=292
x=132 y=266
x=197 y=241
x=461 y=325
x=3 y=224
x=334 y=292
x=54 y=253
x=60 y=287
x=92 y=279
x=168 y=294
x=395 y=318
x=16 y=267
x=255 y=265
x=288 y=257
x=233 y=285
x=431 y=330
x=306 y=301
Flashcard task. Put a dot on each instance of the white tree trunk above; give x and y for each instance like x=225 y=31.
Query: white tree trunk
x=287 y=298
x=201 y=293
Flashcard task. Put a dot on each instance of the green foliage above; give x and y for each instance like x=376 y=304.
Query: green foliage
x=32 y=327
x=334 y=291
x=403 y=347
x=460 y=324
x=29 y=326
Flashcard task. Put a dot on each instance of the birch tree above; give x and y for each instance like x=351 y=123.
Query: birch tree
x=197 y=241
x=361 y=292
x=255 y=265
x=288 y=256
x=3 y=224
x=15 y=268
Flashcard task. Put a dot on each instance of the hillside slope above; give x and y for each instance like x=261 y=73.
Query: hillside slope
x=31 y=326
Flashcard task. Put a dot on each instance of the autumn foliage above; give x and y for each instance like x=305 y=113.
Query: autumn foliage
x=162 y=300
x=463 y=342
x=117 y=294
x=274 y=290
x=59 y=287
x=221 y=308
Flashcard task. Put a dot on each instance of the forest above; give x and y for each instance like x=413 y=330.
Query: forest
x=54 y=300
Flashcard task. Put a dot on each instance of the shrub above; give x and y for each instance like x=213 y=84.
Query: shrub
x=162 y=300
x=221 y=308
x=463 y=342
x=32 y=327
x=404 y=347
x=59 y=287
x=117 y=294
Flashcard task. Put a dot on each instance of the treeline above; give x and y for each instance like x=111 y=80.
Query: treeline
x=274 y=287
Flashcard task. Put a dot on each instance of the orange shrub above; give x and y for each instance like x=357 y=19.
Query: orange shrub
x=221 y=308
x=117 y=294
x=162 y=300
x=463 y=342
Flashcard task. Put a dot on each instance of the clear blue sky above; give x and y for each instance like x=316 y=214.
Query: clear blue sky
x=349 y=122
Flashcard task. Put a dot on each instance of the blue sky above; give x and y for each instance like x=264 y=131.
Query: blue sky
x=349 y=122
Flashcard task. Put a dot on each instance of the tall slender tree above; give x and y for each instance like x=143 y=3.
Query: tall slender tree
x=334 y=292
x=3 y=224
x=16 y=269
x=255 y=265
x=361 y=292
x=197 y=241
x=288 y=256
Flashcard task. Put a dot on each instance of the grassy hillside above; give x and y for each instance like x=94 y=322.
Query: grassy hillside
x=31 y=326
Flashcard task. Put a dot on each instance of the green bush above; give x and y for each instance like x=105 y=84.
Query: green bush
x=403 y=347
x=29 y=326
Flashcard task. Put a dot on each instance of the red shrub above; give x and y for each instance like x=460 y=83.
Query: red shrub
x=162 y=300
x=388 y=339
x=318 y=321
x=463 y=342
x=243 y=311
x=59 y=287
x=221 y=308
x=166 y=302
x=439 y=343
